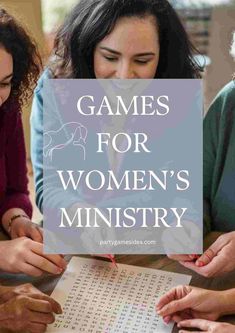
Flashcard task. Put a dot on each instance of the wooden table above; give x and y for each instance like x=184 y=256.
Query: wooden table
x=47 y=283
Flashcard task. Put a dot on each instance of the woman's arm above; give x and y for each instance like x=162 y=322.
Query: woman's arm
x=186 y=302
x=36 y=122
x=16 y=200
x=210 y=144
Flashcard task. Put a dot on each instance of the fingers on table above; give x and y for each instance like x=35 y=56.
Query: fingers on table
x=202 y=324
x=45 y=303
x=54 y=264
x=206 y=257
x=167 y=298
x=36 y=233
x=174 y=301
x=36 y=328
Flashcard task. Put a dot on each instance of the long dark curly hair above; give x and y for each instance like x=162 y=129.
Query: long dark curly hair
x=91 y=20
x=26 y=59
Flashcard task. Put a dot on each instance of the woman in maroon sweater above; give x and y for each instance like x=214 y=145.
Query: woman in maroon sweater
x=19 y=69
x=21 y=307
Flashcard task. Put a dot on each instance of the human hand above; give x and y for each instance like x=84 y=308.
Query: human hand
x=182 y=241
x=27 y=289
x=26 y=308
x=23 y=255
x=205 y=326
x=17 y=224
x=107 y=256
x=183 y=257
x=218 y=259
x=186 y=302
x=23 y=227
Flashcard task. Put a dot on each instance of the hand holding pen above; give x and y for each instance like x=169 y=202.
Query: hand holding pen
x=109 y=256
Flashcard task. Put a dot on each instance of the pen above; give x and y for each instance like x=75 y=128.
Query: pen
x=113 y=260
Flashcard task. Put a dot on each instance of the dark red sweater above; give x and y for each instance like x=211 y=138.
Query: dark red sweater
x=13 y=171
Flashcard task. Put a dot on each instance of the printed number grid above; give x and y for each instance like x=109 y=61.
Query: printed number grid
x=108 y=300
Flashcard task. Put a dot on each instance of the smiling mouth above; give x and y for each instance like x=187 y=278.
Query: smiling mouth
x=123 y=84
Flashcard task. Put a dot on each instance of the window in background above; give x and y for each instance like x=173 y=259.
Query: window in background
x=196 y=17
x=53 y=14
x=195 y=14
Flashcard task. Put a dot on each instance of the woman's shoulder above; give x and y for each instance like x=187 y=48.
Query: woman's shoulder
x=45 y=75
x=11 y=108
x=226 y=97
x=10 y=115
x=223 y=103
x=227 y=93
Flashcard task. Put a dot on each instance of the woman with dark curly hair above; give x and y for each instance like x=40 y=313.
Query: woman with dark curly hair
x=19 y=70
x=22 y=307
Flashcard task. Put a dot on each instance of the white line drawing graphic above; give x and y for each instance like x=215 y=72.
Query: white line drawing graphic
x=69 y=133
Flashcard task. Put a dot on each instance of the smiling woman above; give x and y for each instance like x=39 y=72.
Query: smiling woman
x=114 y=39
x=123 y=39
x=19 y=61
x=135 y=56
x=27 y=309
x=19 y=69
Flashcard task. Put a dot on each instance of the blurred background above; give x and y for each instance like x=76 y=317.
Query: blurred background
x=209 y=23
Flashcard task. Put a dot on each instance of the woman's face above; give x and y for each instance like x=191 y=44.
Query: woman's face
x=6 y=73
x=130 y=51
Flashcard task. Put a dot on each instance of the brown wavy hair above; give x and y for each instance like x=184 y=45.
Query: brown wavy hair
x=26 y=58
